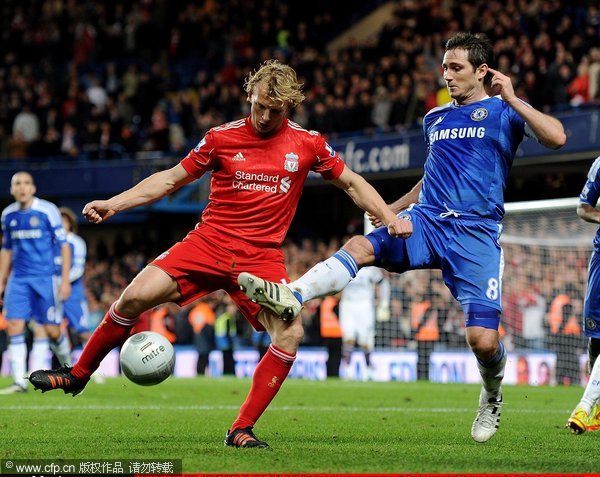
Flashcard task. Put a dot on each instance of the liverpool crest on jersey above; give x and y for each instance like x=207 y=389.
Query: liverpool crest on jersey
x=291 y=162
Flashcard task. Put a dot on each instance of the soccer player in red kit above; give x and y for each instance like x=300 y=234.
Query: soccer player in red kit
x=259 y=165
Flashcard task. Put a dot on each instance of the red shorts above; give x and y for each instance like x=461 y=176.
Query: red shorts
x=208 y=260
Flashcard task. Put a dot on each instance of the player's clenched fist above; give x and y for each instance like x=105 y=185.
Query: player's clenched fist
x=401 y=227
x=98 y=211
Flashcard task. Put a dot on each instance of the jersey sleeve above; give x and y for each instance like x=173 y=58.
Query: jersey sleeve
x=591 y=190
x=6 y=238
x=78 y=255
x=55 y=220
x=201 y=158
x=329 y=164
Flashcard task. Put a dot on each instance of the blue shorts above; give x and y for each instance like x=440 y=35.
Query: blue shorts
x=32 y=297
x=465 y=248
x=260 y=338
x=591 y=305
x=75 y=310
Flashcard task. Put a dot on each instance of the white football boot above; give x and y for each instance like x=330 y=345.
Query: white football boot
x=487 y=421
x=274 y=296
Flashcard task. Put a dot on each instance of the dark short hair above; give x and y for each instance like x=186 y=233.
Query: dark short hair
x=478 y=47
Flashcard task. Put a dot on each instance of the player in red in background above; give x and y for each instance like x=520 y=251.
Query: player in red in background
x=259 y=165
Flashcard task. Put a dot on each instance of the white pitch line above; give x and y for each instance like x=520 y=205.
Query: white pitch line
x=272 y=408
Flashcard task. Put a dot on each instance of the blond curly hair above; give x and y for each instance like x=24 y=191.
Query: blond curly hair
x=280 y=81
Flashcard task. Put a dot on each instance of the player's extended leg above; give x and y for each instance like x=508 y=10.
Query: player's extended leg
x=585 y=416
x=325 y=278
x=269 y=375
x=482 y=336
x=17 y=355
x=151 y=287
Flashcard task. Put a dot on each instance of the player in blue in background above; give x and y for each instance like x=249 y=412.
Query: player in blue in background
x=31 y=227
x=74 y=309
x=586 y=416
x=452 y=216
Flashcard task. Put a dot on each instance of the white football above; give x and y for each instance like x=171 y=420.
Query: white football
x=147 y=358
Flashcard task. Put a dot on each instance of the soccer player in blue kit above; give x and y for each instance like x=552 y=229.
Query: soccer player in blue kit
x=75 y=308
x=586 y=415
x=452 y=216
x=31 y=227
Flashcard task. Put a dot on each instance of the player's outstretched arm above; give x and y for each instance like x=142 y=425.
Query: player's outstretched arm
x=411 y=197
x=588 y=213
x=147 y=191
x=549 y=131
x=368 y=199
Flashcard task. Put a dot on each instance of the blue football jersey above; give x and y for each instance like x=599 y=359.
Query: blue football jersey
x=32 y=235
x=78 y=257
x=470 y=152
x=590 y=194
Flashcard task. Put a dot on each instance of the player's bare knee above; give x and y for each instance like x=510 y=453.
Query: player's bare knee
x=361 y=250
x=53 y=331
x=295 y=331
x=287 y=335
x=15 y=327
x=484 y=346
x=132 y=302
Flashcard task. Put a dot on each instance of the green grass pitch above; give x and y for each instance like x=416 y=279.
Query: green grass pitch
x=333 y=426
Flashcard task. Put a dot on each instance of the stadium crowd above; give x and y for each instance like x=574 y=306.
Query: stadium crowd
x=106 y=80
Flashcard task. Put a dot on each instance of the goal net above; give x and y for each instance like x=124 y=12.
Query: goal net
x=546 y=249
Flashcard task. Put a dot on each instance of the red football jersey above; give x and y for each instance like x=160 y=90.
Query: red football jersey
x=257 y=182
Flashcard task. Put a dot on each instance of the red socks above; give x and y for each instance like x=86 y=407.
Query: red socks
x=112 y=331
x=268 y=378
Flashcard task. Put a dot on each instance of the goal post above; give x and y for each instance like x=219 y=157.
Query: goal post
x=547 y=249
x=546 y=253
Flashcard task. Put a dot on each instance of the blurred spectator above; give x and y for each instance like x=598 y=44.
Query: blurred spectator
x=579 y=87
x=226 y=335
x=261 y=341
x=594 y=74
x=26 y=126
x=202 y=318
x=71 y=142
x=331 y=334
x=532 y=307
x=565 y=337
x=425 y=331
x=162 y=320
x=96 y=93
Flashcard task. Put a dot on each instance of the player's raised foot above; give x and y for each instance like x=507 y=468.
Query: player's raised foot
x=275 y=296
x=594 y=422
x=61 y=378
x=244 y=437
x=14 y=388
x=487 y=421
x=578 y=421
